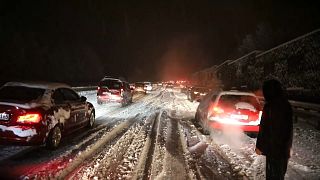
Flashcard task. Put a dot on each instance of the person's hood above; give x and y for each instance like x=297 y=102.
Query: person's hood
x=272 y=90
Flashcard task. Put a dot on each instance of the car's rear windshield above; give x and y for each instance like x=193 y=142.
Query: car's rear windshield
x=110 y=84
x=231 y=101
x=20 y=93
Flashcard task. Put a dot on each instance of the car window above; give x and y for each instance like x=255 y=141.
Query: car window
x=20 y=93
x=230 y=101
x=110 y=84
x=69 y=95
x=57 y=96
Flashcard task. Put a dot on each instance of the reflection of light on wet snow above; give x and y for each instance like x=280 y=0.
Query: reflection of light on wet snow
x=19 y=131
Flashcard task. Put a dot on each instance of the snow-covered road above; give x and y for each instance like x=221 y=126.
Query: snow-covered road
x=155 y=138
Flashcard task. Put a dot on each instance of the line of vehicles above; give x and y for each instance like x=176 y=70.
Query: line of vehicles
x=41 y=113
x=112 y=90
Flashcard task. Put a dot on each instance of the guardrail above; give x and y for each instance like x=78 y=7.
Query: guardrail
x=303 y=109
x=309 y=110
x=85 y=88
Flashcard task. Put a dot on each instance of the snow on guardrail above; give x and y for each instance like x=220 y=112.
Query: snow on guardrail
x=84 y=88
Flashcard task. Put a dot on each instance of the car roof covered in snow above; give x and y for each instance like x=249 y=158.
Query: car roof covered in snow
x=40 y=85
x=109 y=78
x=234 y=92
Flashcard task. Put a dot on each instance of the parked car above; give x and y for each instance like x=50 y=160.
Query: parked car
x=148 y=86
x=41 y=113
x=140 y=88
x=196 y=93
x=169 y=85
x=132 y=86
x=219 y=110
x=114 y=90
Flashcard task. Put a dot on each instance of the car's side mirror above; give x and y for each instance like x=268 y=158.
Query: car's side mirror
x=83 y=99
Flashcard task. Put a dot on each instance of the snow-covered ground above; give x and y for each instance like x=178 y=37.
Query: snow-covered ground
x=155 y=138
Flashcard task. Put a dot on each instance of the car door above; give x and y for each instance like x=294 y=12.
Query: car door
x=78 y=107
x=62 y=109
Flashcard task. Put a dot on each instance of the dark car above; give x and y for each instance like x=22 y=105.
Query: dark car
x=197 y=93
x=114 y=90
x=40 y=113
x=221 y=110
x=140 y=88
x=169 y=85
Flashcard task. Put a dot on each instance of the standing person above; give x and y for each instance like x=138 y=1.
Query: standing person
x=276 y=130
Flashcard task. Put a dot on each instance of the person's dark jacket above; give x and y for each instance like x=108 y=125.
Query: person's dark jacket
x=276 y=126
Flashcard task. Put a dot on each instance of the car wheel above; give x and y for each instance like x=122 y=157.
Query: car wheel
x=54 y=138
x=91 y=120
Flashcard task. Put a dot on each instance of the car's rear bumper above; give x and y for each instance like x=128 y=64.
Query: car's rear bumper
x=21 y=135
x=222 y=126
x=110 y=99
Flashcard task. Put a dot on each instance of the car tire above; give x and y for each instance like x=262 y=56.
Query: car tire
x=54 y=138
x=91 y=120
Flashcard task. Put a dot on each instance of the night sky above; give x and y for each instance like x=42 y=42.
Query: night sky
x=78 y=42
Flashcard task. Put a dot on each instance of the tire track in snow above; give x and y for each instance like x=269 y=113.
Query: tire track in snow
x=208 y=160
x=96 y=148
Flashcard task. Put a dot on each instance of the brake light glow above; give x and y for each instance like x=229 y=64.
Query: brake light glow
x=29 y=118
x=98 y=88
x=218 y=110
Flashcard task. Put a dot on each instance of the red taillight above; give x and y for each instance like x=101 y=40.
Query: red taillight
x=29 y=118
x=218 y=110
x=98 y=88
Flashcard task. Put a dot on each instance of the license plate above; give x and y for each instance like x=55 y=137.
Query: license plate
x=4 y=116
x=239 y=116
